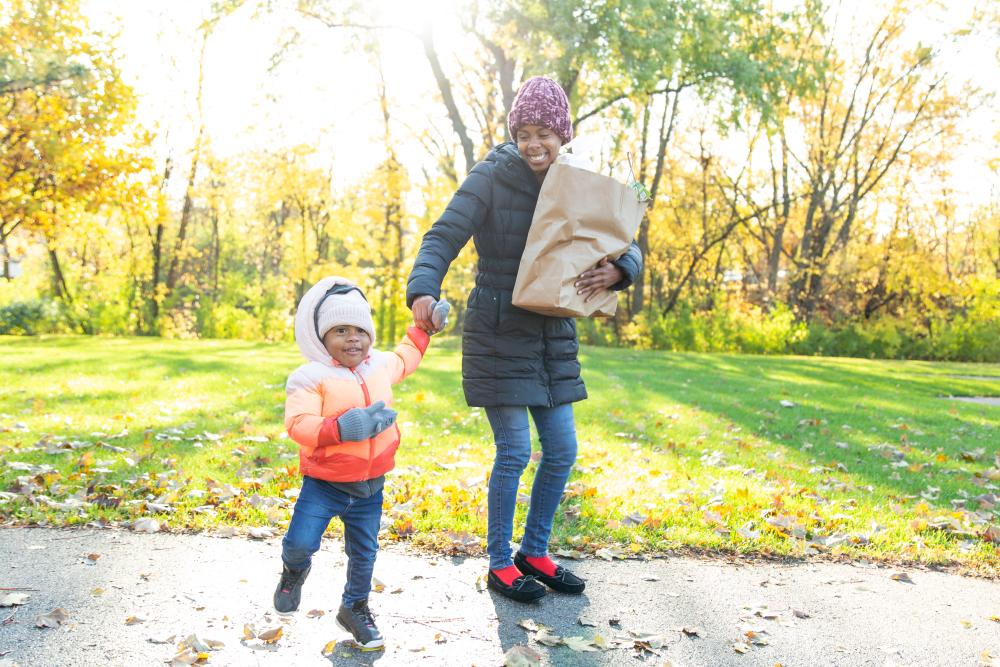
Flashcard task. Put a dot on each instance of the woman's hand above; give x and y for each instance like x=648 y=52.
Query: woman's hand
x=422 y=308
x=594 y=281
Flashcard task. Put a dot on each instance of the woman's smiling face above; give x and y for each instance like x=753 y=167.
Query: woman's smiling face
x=539 y=147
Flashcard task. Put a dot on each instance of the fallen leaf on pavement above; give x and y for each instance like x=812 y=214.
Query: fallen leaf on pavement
x=261 y=532
x=146 y=525
x=522 y=656
x=691 y=631
x=249 y=631
x=135 y=619
x=270 y=636
x=186 y=657
x=740 y=647
x=196 y=643
x=579 y=644
x=315 y=613
x=53 y=619
x=11 y=599
x=543 y=637
x=329 y=648
x=529 y=624
x=377 y=585
x=902 y=576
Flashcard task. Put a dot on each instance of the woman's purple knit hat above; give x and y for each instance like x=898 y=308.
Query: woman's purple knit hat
x=541 y=101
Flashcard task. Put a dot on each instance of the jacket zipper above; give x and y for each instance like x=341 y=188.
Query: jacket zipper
x=371 y=441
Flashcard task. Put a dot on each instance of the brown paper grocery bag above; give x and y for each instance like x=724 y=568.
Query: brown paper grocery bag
x=580 y=218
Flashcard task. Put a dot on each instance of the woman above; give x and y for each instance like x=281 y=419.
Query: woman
x=515 y=362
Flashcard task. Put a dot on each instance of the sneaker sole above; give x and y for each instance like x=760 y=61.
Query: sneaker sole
x=374 y=645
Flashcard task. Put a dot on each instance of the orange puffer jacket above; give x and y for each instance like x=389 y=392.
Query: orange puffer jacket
x=320 y=391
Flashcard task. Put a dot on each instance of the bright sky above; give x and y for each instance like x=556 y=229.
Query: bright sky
x=325 y=95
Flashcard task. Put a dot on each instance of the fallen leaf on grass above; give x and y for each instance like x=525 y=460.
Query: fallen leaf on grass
x=991 y=534
x=53 y=619
x=11 y=599
x=902 y=576
x=522 y=656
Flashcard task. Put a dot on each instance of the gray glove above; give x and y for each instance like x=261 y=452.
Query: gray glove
x=363 y=423
x=439 y=315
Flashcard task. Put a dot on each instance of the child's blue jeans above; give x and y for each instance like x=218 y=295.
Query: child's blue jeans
x=319 y=502
x=557 y=434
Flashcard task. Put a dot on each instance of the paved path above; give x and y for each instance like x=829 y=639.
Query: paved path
x=431 y=612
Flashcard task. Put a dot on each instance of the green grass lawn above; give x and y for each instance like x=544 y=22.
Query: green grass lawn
x=770 y=455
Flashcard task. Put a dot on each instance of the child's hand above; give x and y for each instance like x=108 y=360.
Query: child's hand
x=439 y=315
x=363 y=423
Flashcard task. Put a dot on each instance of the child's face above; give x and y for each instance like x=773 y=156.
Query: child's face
x=347 y=344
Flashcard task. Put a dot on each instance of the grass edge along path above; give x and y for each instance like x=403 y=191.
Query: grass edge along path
x=773 y=456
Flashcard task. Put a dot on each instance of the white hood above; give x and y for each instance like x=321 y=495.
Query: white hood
x=310 y=345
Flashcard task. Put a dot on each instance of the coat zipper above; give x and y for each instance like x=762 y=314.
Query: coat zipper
x=371 y=441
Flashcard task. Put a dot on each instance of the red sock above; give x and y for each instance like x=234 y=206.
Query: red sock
x=508 y=574
x=543 y=563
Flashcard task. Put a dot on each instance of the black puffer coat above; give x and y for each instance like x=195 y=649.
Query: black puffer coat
x=510 y=356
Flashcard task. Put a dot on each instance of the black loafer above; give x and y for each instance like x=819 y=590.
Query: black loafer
x=523 y=589
x=563 y=581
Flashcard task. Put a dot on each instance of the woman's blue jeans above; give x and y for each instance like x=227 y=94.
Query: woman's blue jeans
x=557 y=434
x=319 y=502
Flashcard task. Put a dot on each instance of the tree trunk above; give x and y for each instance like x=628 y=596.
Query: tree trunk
x=444 y=86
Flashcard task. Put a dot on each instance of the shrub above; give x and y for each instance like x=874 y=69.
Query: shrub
x=32 y=317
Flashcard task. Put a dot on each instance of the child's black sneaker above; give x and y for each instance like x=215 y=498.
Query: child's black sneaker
x=522 y=589
x=289 y=590
x=563 y=580
x=358 y=620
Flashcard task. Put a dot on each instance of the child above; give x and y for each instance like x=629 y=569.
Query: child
x=336 y=410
